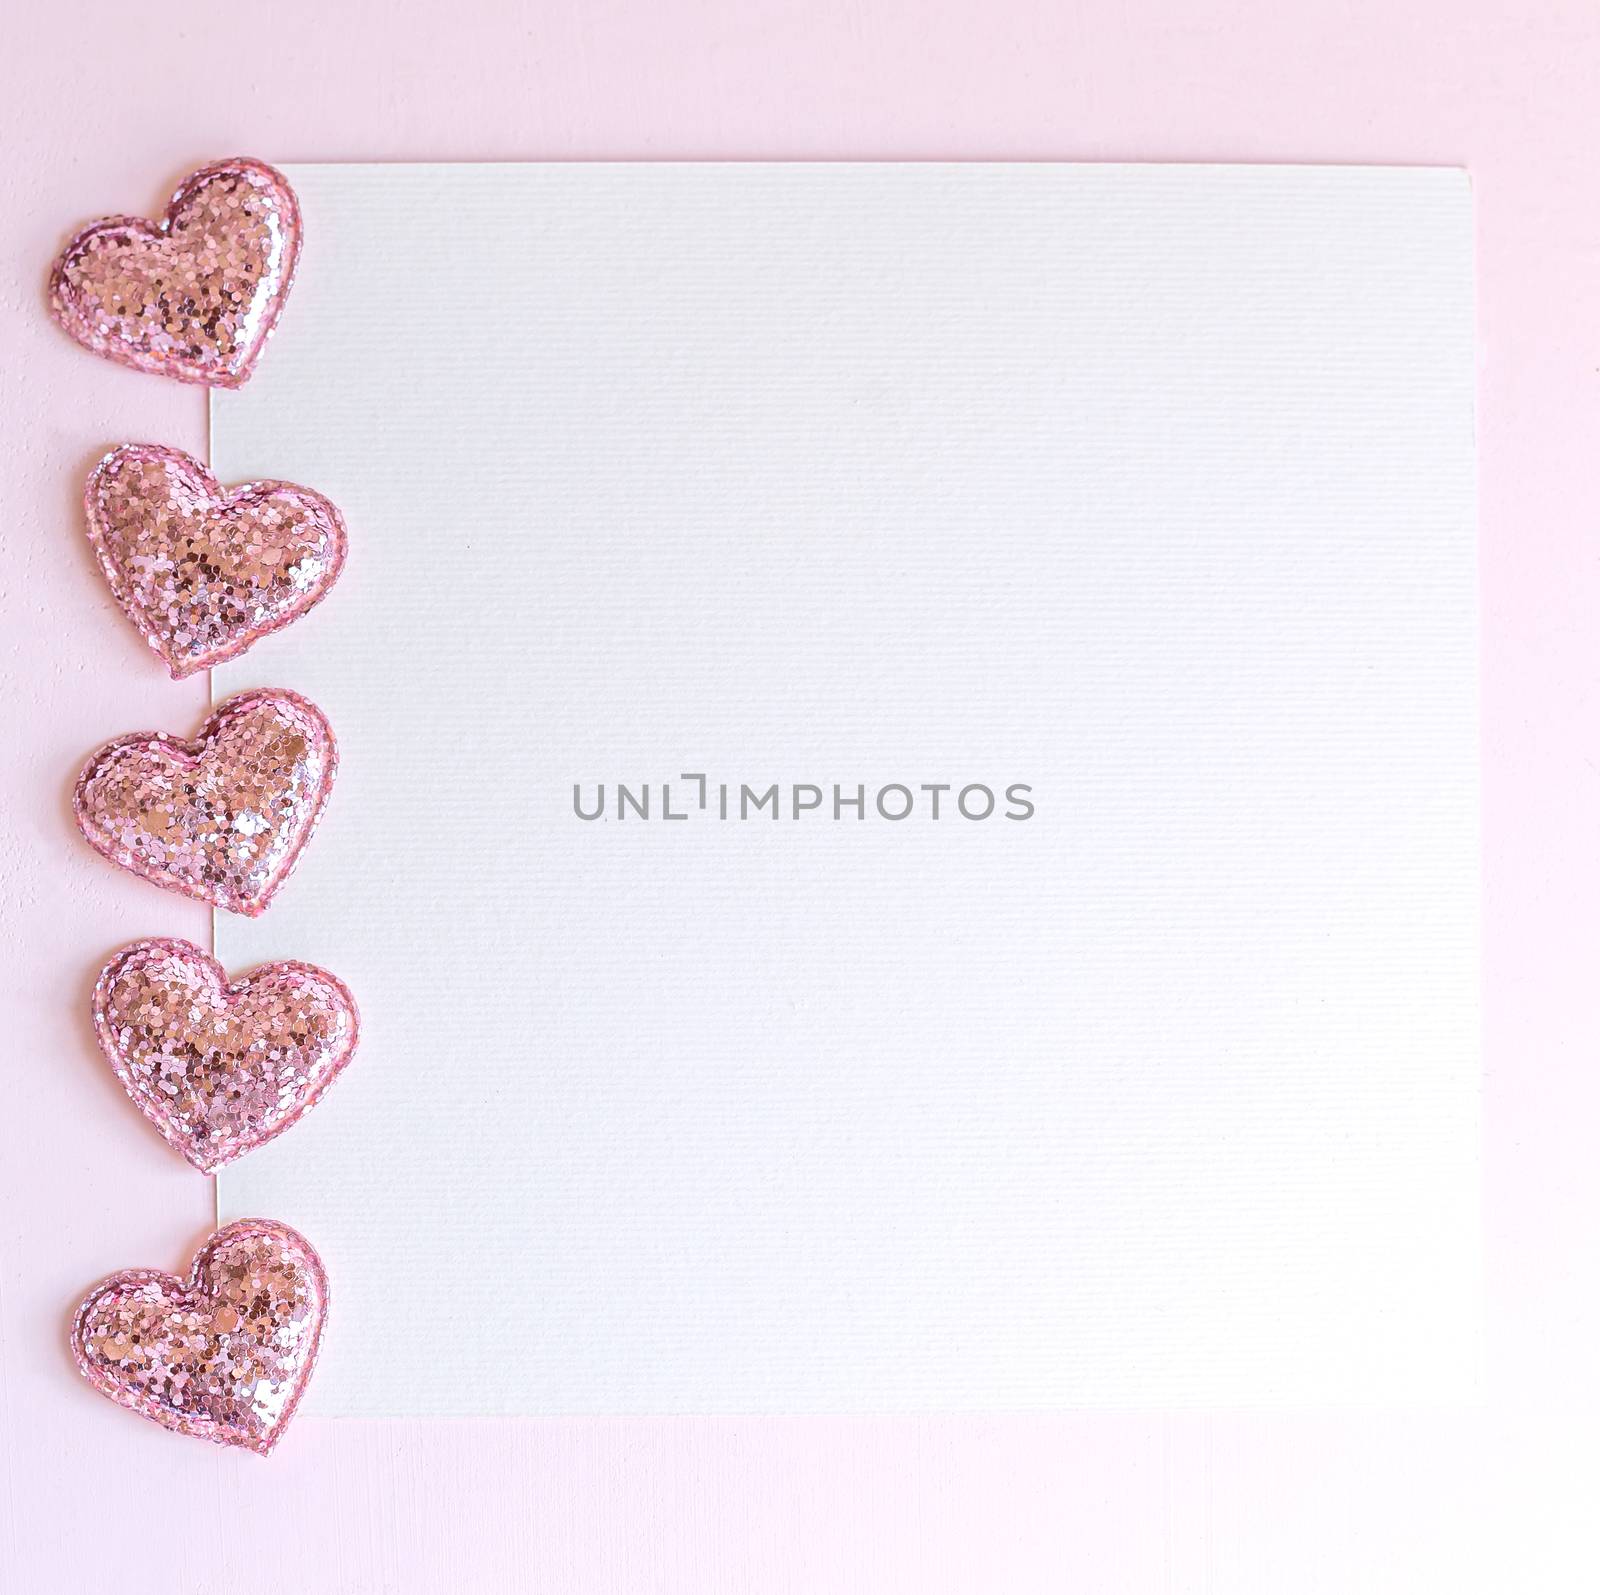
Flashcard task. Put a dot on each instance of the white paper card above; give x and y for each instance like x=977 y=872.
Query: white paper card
x=1147 y=488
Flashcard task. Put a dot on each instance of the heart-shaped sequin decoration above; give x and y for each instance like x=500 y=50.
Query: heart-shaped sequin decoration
x=196 y=295
x=203 y=573
x=224 y=1355
x=223 y=818
x=220 y=1069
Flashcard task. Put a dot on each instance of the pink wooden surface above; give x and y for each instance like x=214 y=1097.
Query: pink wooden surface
x=104 y=105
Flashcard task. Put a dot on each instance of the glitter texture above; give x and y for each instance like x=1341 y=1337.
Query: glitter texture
x=200 y=572
x=223 y=818
x=196 y=295
x=224 y=1355
x=220 y=1069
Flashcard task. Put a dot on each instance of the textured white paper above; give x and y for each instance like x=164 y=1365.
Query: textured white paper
x=1151 y=488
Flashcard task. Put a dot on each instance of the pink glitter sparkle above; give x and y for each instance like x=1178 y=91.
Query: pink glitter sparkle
x=196 y=295
x=224 y=817
x=220 y=1069
x=201 y=573
x=224 y=1355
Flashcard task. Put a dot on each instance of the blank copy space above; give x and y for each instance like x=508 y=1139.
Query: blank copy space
x=1148 y=487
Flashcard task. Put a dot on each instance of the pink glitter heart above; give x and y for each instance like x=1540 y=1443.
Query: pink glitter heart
x=224 y=1355
x=223 y=818
x=220 y=1069
x=200 y=572
x=196 y=295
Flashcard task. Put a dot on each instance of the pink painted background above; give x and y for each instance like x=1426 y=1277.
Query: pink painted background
x=103 y=106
